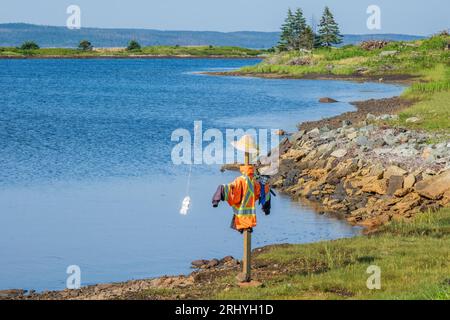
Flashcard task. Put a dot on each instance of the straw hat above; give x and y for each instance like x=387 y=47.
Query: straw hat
x=246 y=144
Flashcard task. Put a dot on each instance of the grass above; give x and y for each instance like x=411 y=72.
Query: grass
x=425 y=60
x=433 y=112
x=196 y=51
x=436 y=79
x=201 y=51
x=412 y=58
x=433 y=108
x=413 y=256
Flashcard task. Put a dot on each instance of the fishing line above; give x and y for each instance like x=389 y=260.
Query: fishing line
x=187 y=199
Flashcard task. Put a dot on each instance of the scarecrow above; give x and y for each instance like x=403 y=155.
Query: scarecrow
x=241 y=195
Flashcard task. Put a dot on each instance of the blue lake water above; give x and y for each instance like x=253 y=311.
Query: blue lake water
x=86 y=176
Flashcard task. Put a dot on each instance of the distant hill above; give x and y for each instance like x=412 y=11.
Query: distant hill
x=14 y=34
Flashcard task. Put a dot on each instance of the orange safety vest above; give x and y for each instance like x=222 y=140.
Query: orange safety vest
x=241 y=195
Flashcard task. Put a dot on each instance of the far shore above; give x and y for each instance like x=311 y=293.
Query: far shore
x=150 y=52
x=125 y=57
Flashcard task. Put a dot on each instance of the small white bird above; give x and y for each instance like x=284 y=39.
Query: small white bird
x=185 y=205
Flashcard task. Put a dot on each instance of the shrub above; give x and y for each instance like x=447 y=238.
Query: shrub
x=435 y=43
x=133 y=45
x=29 y=45
x=444 y=33
x=85 y=45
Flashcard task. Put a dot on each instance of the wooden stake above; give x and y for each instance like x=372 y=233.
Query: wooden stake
x=246 y=265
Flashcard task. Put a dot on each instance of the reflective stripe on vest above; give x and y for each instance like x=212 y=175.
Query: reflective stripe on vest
x=245 y=208
x=226 y=189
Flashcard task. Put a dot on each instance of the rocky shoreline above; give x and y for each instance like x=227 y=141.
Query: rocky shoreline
x=205 y=271
x=368 y=172
x=377 y=107
x=358 y=77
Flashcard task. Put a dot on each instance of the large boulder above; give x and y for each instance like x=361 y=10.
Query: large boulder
x=394 y=171
x=376 y=186
x=446 y=198
x=291 y=178
x=377 y=170
x=407 y=204
x=199 y=263
x=389 y=53
x=314 y=133
x=412 y=120
x=434 y=188
x=327 y=100
x=339 y=153
x=395 y=183
x=409 y=181
x=213 y=263
x=11 y=293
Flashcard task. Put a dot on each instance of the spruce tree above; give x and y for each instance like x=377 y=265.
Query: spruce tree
x=317 y=43
x=299 y=26
x=329 y=33
x=307 y=38
x=287 y=33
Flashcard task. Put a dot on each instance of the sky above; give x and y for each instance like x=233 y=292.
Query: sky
x=419 y=17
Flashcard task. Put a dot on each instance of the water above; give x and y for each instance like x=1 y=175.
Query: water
x=86 y=176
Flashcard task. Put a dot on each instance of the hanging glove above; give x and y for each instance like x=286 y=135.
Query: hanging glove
x=266 y=192
x=266 y=207
x=218 y=196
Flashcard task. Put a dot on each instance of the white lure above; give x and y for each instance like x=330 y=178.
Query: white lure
x=185 y=205
x=187 y=200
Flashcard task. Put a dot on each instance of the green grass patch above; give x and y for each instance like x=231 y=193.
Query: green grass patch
x=412 y=58
x=426 y=60
x=413 y=257
x=433 y=112
x=431 y=224
x=201 y=51
x=151 y=51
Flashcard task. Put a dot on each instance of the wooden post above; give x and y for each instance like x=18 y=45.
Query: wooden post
x=247 y=265
x=246 y=261
x=247 y=158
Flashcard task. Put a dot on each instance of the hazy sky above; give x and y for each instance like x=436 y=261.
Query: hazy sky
x=398 y=16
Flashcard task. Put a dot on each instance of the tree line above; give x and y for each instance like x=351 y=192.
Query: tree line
x=84 y=45
x=296 y=34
